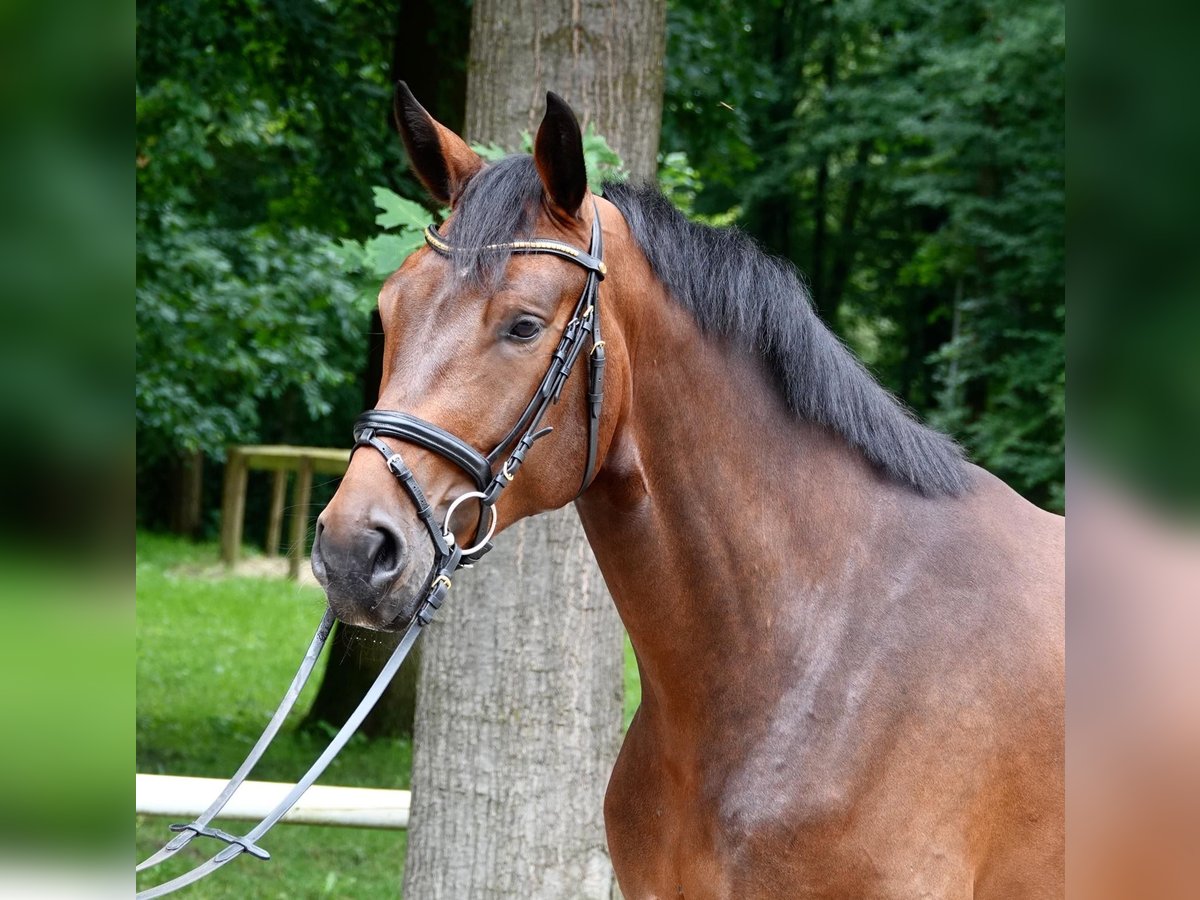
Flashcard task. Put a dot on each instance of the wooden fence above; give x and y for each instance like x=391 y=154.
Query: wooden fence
x=352 y=807
x=281 y=460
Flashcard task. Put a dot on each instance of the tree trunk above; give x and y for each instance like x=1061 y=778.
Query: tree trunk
x=605 y=59
x=187 y=506
x=518 y=725
x=519 y=697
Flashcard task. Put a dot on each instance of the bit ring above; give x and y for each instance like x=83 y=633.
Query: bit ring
x=469 y=495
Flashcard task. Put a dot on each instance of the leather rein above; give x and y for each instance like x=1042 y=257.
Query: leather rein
x=582 y=329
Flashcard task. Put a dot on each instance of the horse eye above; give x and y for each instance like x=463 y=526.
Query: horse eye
x=525 y=328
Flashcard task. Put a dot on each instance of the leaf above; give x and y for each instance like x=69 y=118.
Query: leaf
x=603 y=163
x=490 y=152
x=385 y=253
x=398 y=212
x=350 y=254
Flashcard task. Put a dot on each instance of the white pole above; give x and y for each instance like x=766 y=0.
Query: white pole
x=186 y=798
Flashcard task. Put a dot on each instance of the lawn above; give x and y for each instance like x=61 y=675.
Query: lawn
x=214 y=655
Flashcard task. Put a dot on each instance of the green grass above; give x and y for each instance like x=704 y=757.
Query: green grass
x=633 y=685
x=213 y=658
x=214 y=655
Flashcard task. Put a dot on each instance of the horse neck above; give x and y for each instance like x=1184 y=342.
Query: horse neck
x=721 y=522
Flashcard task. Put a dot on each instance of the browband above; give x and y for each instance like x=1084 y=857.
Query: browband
x=434 y=239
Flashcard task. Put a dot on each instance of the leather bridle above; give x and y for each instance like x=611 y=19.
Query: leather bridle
x=582 y=329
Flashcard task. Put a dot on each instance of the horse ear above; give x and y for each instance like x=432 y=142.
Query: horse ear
x=558 y=154
x=440 y=158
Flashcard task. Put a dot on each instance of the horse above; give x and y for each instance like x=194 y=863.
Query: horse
x=850 y=639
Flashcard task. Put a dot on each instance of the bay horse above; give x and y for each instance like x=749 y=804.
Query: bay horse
x=850 y=639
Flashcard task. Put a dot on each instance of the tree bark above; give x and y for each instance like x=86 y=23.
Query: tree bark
x=518 y=725
x=519 y=697
x=187 y=507
x=605 y=59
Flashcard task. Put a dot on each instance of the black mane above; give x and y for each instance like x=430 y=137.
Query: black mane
x=734 y=289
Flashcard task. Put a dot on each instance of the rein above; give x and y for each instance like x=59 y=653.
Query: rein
x=582 y=329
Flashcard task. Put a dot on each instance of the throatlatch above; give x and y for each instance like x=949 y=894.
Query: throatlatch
x=583 y=328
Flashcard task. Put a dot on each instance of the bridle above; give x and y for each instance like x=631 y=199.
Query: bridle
x=582 y=329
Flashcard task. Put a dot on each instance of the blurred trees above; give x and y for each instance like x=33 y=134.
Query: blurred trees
x=909 y=159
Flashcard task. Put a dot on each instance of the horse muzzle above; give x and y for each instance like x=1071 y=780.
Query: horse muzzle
x=374 y=575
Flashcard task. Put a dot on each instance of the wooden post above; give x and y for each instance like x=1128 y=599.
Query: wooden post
x=300 y=516
x=233 y=507
x=275 y=520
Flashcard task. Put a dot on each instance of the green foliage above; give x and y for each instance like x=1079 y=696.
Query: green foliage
x=229 y=323
x=910 y=161
x=714 y=69
x=264 y=111
x=681 y=183
x=254 y=129
x=678 y=181
x=398 y=212
x=493 y=151
x=633 y=686
x=603 y=162
x=382 y=254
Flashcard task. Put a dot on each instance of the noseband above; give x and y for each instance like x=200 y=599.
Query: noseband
x=583 y=328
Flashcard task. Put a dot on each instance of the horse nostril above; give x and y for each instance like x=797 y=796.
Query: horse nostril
x=317 y=559
x=349 y=558
x=389 y=553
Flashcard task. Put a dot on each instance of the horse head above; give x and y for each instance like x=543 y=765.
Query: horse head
x=475 y=324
